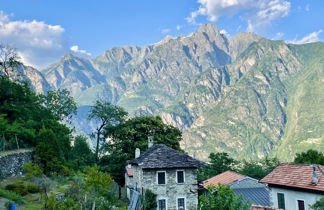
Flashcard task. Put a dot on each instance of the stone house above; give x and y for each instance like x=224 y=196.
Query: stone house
x=168 y=173
x=295 y=186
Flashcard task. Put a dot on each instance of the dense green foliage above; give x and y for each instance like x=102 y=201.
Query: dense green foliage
x=132 y=134
x=81 y=153
x=23 y=188
x=88 y=190
x=318 y=205
x=221 y=198
x=11 y=196
x=149 y=200
x=258 y=169
x=310 y=157
x=219 y=163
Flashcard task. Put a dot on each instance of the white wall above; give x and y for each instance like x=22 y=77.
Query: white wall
x=291 y=198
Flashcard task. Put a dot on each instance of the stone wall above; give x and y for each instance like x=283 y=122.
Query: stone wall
x=11 y=162
x=171 y=191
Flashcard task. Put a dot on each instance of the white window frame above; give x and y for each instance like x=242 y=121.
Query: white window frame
x=166 y=202
x=185 y=202
x=184 y=176
x=157 y=177
x=300 y=200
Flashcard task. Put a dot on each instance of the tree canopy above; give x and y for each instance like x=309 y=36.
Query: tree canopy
x=133 y=133
x=310 y=157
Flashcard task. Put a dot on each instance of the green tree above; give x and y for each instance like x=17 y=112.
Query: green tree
x=81 y=152
x=60 y=103
x=221 y=198
x=219 y=163
x=132 y=134
x=259 y=169
x=318 y=205
x=149 y=200
x=310 y=157
x=106 y=115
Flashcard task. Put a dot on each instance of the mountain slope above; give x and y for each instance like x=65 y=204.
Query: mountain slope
x=247 y=95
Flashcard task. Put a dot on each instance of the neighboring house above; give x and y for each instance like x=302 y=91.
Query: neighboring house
x=295 y=186
x=168 y=173
x=251 y=190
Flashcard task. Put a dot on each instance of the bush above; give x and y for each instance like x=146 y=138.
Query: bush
x=19 y=188
x=11 y=196
x=32 y=170
x=149 y=200
x=33 y=188
x=23 y=189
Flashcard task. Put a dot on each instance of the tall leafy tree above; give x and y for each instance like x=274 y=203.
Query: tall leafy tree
x=106 y=115
x=310 y=157
x=60 y=103
x=219 y=163
x=132 y=134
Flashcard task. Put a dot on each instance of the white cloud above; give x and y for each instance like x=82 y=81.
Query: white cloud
x=179 y=27
x=75 y=49
x=257 y=13
x=38 y=43
x=165 y=31
x=223 y=31
x=307 y=8
x=312 y=37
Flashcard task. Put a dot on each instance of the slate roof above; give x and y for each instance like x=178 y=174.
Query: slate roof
x=295 y=175
x=161 y=156
x=258 y=196
x=223 y=178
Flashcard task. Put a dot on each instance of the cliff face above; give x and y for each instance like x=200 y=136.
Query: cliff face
x=247 y=95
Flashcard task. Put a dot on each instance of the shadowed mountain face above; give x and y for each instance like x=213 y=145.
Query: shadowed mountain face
x=247 y=95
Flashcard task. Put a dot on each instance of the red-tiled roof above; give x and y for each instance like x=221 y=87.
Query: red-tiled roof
x=295 y=175
x=224 y=178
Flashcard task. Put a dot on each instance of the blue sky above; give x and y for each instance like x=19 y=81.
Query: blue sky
x=43 y=31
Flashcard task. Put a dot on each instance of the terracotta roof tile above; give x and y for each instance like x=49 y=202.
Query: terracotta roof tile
x=295 y=175
x=224 y=178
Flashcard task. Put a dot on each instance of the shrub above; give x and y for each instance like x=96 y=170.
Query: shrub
x=32 y=170
x=33 y=188
x=19 y=188
x=149 y=200
x=11 y=196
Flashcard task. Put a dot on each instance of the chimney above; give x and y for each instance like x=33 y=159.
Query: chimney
x=137 y=152
x=150 y=141
x=314 y=175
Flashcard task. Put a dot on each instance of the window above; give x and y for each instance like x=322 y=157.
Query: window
x=180 y=177
x=162 y=204
x=281 y=201
x=181 y=204
x=301 y=205
x=161 y=177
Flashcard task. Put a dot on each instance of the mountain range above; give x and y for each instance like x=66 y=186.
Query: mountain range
x=246 y=95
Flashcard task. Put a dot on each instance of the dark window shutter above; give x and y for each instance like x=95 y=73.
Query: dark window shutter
x=301 y=205
x=281 y=201
x=180 y=177
x=161 y=177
